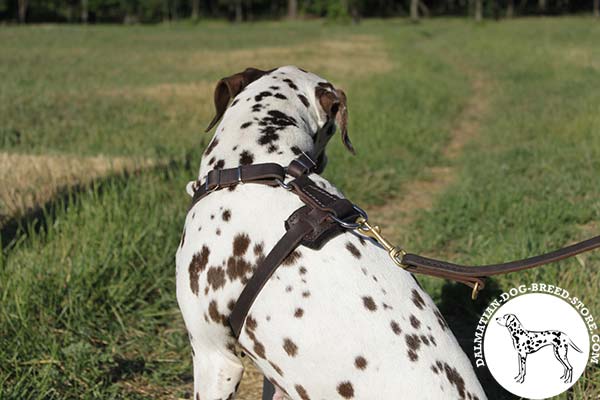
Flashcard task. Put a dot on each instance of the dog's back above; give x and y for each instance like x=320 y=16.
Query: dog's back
x=340 y=322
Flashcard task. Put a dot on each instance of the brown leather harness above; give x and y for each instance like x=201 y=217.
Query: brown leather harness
x=326 y=215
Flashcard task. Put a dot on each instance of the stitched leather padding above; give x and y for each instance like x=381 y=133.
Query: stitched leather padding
x=319 y=198
x=324 y=228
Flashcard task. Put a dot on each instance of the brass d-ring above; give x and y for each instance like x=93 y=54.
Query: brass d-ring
x=475 y=291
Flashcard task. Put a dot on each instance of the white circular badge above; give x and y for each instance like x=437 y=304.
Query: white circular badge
x=536 y=346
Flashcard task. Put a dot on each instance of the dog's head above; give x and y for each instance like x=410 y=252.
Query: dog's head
x=324 y=106
x=508 y=320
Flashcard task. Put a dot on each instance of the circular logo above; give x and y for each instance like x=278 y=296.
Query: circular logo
x=536 y=345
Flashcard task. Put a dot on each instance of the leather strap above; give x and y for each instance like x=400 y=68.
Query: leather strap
x=282 y=249
x=322 y=232
x=302 y=165
x=471 y=274
x=266 y=174
x=313 y=225
x=319 y=198
x=310 y=225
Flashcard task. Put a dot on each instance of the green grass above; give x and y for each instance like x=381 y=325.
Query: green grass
x=529 y=183
x=88 y=304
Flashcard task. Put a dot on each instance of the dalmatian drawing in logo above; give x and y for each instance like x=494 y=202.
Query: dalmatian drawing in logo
x=527 y=342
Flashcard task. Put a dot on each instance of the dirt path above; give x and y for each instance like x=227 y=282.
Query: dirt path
x=421 y=194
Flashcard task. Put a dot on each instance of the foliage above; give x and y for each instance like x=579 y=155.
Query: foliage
x=152 y=11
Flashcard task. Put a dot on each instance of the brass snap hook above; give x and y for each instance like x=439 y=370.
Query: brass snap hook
x=396 y=253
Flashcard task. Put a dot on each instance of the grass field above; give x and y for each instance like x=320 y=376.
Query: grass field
x=476 y=142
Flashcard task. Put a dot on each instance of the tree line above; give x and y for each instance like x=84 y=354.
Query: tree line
x=153 y=11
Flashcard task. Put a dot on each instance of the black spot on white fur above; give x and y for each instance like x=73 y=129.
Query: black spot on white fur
x=262 y=95
x=290 y=83
x=304 y=100
x=246 y=158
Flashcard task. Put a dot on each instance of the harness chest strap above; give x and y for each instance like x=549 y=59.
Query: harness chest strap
x=306 y=227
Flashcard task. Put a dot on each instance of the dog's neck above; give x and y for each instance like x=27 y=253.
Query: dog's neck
x=513 y=329
x=270 y=137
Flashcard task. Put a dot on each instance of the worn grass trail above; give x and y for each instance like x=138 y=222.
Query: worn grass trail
x=398 y=213
x=528 y=182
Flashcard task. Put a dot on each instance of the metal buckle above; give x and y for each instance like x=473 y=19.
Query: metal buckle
x=217 y=186
x=351 y=225
x=314 y=164
x=283 y=184
x=239 y=175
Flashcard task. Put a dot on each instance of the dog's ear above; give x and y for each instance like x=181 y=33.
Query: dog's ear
x=335 y=106
x=231 y=86
x=342 y=120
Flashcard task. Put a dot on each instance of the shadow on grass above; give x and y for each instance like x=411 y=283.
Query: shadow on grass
x=462 y=315
x=15 y=229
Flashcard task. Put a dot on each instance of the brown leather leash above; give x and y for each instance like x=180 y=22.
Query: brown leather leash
x=326 y=215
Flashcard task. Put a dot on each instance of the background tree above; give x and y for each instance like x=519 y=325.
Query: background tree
x=154 y=11
x=84 y=11
x=542 y=5
x=414 y=10
x=292 y=9
x=478 y=10
x=195 y=10
x=510 y=8
x=424 y=9
x=239 y=16
x=22 y=11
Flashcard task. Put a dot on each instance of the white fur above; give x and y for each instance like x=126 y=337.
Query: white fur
x=335 y=326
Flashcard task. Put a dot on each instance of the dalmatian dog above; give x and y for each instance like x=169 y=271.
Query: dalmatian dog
x=527 y=342
x=342 y=322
